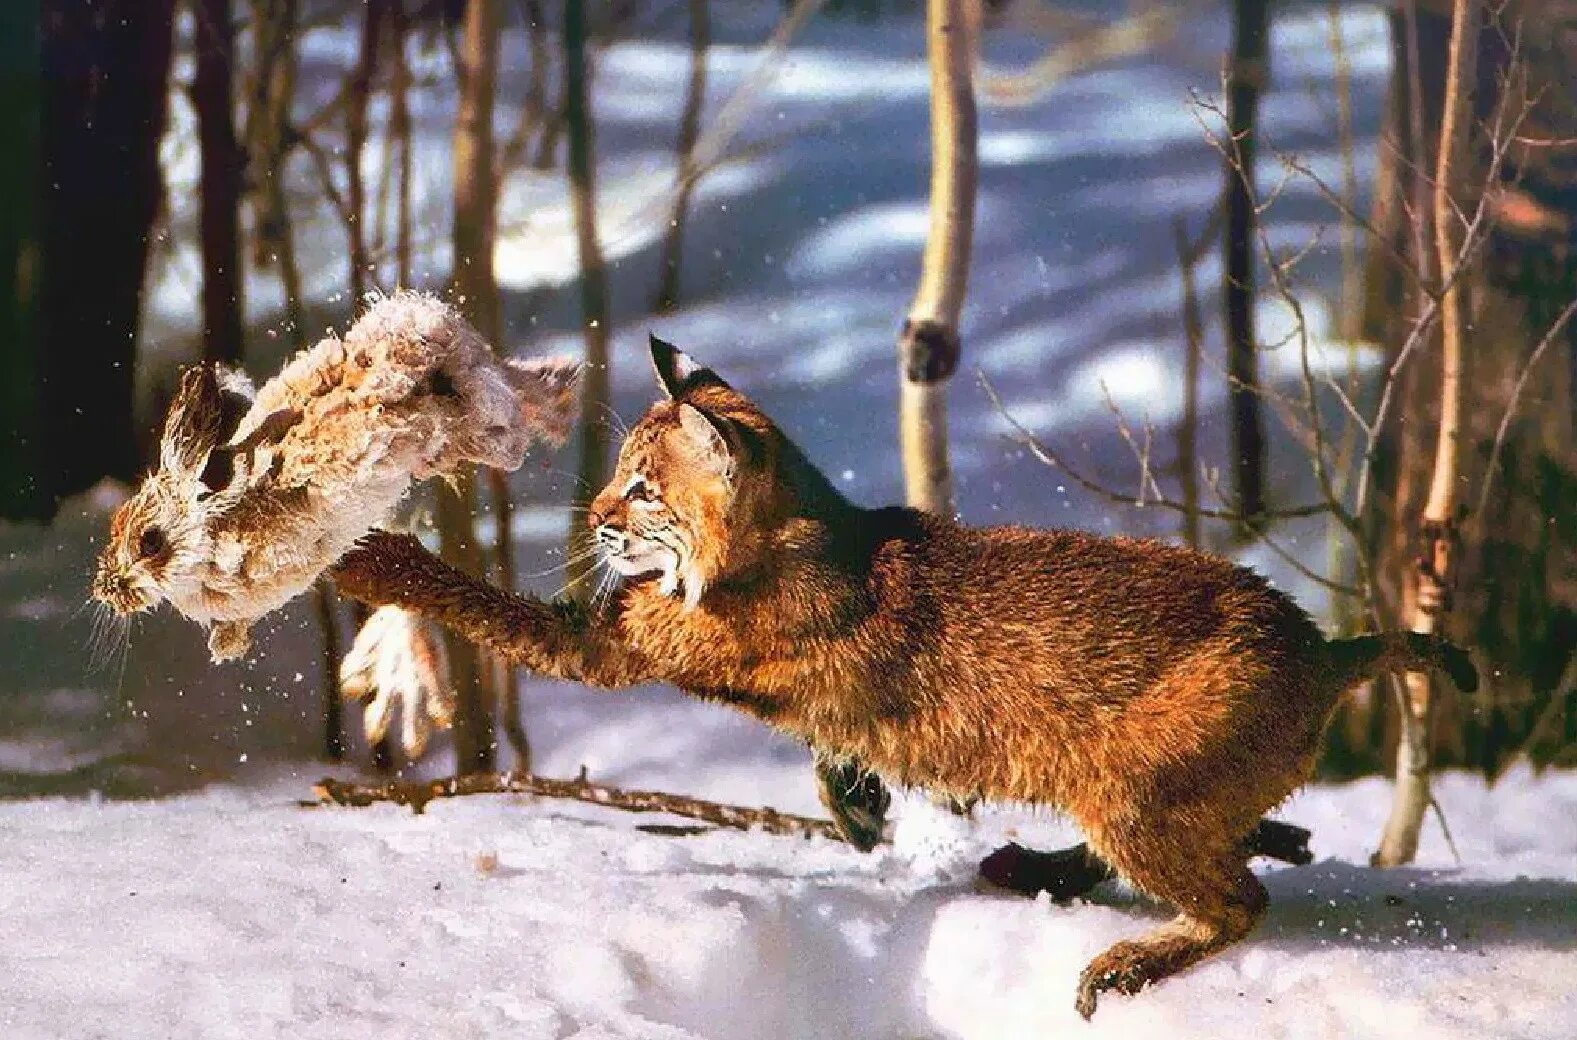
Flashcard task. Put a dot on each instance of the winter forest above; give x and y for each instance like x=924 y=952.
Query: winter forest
x=1285 y=282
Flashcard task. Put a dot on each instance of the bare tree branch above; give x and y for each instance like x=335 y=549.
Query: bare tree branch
x=1550 y=336
x=1029 y=442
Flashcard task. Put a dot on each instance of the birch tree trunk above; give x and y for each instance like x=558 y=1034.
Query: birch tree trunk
x=1433 y=568
x=213 y=96
x=476 y=291
x=929 y=346
x=582 y=169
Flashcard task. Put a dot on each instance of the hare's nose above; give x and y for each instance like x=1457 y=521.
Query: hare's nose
x=611 y=539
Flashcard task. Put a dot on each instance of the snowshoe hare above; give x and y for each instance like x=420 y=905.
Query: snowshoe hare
x=256 y=493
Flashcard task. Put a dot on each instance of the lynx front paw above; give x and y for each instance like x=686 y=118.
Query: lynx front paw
x=373 y=569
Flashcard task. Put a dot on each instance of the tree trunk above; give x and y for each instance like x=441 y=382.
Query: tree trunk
x=1432 y=572
x=578 y=125
x=669 y=266
x=24 y=481
x=267 y=130
x=355 y=143
x=1248 y=73
x=333 y=707
x=476 y=291
x=400 y=129
x=929 y=346
x=106 y=81
x=1188 y=423
x=1515 y=557
x=213 y=96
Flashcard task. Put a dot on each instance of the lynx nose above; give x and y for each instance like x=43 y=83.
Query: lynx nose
x=611 y=540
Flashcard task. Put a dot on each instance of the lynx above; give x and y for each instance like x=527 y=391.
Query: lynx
x=1162 y=697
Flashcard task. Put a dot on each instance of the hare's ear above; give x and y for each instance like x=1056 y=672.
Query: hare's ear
x=677 y=372
x=202 y=417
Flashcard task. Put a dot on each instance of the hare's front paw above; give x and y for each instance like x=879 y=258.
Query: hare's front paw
x=228 y=640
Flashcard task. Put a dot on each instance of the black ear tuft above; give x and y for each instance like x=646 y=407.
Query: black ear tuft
x=677 y=372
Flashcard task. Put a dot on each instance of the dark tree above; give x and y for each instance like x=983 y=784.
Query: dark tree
x=25 y=491
x=106 y=69
x=475 y=213
x=213 y=96
x=1247 y=74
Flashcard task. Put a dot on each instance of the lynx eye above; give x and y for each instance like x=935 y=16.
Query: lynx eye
x=152 y=542
x=638 y=490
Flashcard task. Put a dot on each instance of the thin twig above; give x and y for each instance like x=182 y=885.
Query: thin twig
x=1550 y=336
x=1292 y=561
x=1028 y=441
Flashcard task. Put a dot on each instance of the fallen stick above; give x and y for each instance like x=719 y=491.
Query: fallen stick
x=1066 y=873
x=417 y=793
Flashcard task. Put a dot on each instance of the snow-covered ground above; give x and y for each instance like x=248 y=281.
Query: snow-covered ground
x=234 y=913
x=158 y=879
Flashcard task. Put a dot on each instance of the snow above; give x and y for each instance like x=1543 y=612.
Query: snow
x=160 y=880
x=233 y=912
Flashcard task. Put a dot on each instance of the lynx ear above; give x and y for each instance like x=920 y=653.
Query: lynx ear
x=677 y=372
x=713 y=443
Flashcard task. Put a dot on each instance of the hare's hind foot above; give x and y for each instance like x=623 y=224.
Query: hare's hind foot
x=229 y=640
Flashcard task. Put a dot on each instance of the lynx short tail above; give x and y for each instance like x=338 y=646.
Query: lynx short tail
x=1363 y=657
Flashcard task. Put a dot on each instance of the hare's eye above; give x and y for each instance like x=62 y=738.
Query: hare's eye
x=152 y=543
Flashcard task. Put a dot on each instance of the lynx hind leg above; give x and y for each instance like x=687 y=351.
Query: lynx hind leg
x=1219 y=901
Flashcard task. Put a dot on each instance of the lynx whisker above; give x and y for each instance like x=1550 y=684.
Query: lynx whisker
x=605 y=587
x=575 y=582
x=618 y=425
x=568 y=561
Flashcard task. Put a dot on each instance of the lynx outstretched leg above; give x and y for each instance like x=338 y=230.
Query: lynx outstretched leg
x=1219 y=901
x=561 y=639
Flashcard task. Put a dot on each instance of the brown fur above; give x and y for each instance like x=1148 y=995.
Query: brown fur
x=1162 y=697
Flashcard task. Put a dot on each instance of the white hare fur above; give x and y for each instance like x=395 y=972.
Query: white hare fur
x=256 y=495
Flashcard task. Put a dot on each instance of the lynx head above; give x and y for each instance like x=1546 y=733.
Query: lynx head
x=159 y=536
x=704 y=485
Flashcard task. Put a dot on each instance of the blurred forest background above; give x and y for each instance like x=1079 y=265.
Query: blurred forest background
x=1206 y=262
